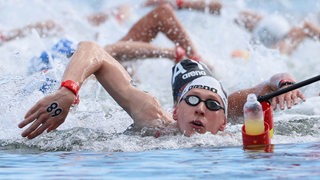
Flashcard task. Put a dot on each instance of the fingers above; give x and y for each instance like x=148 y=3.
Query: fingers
x=289 y=99
x=294 y=100
x=38 y=131
x=281 y=102
x=33 y=110
x=53 y=127
x=44 y=115
x=301 y=96
x=41 y=119
x=274 y=103
x=30 y=117
x=40 y=125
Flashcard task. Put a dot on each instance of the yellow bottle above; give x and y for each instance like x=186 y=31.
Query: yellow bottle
x=253 y=116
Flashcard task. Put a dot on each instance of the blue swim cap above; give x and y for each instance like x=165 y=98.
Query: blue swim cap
x=40 y=63
x=64 y=47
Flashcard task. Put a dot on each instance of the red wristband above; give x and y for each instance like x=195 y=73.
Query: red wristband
x=284 y=83
x=179 y=3
x=71 y=85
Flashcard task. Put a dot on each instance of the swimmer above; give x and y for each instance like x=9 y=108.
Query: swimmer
x=272 y=31
x=136 y=44
x=201 y=104
x=192 y=84
x=51 y=28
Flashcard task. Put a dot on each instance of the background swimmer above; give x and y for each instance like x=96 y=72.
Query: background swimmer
x=271 y=30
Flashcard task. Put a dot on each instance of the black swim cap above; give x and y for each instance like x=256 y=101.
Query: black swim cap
x=184 y=72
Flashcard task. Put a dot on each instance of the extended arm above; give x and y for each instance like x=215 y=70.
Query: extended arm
x=132 y=50
x=91 y=59
x=237 y=99
x=45 y=28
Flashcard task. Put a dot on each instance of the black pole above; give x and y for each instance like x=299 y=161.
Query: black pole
x=287 y=89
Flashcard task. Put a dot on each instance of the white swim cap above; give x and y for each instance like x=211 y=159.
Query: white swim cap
x=211 y=84
x=270 y=30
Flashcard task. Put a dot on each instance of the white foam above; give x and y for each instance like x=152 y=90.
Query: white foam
x=98 y=115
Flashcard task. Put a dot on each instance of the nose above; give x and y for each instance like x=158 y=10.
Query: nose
x=200 y=108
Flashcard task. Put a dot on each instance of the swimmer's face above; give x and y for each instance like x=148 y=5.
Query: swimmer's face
x=199 y=119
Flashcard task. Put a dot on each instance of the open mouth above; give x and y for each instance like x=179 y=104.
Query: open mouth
x=197 y=124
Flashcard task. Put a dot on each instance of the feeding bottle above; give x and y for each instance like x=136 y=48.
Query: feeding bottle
x=253 y=116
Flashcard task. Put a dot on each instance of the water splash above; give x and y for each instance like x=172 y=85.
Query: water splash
x=98 y=122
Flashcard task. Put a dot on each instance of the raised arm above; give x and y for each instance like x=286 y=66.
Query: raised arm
x=162 y=19
x=87 y=60
x=249 y=20
x=237 y=99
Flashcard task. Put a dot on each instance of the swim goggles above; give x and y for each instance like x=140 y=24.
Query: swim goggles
x=211 y=104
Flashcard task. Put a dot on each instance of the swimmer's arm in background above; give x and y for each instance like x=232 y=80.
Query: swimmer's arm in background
x=44 y=28
x=312 y=30
x=296 y=35
x=213 y=6
x=237 y=99
x=248 y=20
x=133 y=50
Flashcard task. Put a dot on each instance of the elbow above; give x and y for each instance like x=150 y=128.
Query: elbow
x=91 y=51
x=91 y=55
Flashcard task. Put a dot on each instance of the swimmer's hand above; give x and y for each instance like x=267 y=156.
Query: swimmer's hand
x=48 y=113
x=146 y=111
x=283 y=80
x=288 y=99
